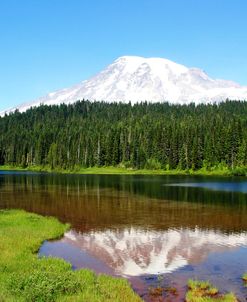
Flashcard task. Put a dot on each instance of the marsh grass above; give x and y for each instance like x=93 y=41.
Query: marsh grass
x=25 y=277
x=203 y=291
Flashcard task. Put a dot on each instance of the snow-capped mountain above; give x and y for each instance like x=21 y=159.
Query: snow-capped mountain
x=137 y=79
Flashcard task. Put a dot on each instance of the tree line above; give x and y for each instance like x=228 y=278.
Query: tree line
x=144 y=135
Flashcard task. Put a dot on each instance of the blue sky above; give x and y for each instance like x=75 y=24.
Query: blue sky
x=51 y=44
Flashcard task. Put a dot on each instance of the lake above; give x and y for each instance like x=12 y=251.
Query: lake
x=153 y=230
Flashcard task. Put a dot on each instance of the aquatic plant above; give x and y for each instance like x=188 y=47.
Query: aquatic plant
x=171 y=290
x=156 y=291
x=244 y=277
x=204 y=291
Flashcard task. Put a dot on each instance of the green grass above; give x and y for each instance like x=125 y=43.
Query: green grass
x=203 y=291
x=216 y=171
x=25 y=277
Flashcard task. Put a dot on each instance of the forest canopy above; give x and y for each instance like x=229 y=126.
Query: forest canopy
x=144 y=135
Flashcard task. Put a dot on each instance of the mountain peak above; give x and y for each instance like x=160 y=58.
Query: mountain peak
x=156 y=63
x=136 y=79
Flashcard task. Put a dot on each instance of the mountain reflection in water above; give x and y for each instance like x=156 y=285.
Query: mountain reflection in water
x=134 y=252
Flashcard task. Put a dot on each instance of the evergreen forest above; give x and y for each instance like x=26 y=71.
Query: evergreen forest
x=144 y=135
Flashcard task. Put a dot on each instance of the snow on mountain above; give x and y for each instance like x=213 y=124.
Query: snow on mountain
x=133 y=252
x=137 y=79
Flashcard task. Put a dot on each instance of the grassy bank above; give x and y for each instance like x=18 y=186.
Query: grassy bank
x=222 y=171
x=24 y=277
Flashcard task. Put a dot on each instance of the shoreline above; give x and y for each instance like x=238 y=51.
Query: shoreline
x=26 y=277
x=129 y=171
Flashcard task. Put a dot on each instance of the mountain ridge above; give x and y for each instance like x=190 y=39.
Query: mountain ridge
x=136 y=79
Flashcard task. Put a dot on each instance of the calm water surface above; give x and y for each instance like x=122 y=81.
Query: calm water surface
x=153 y=230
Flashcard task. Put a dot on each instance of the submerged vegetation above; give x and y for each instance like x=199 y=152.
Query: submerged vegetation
x=204 y=139
x=203 y=291
x=245 y=278
x=25 y=277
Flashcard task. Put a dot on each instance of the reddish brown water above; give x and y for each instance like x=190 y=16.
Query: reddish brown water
x=157 y=231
